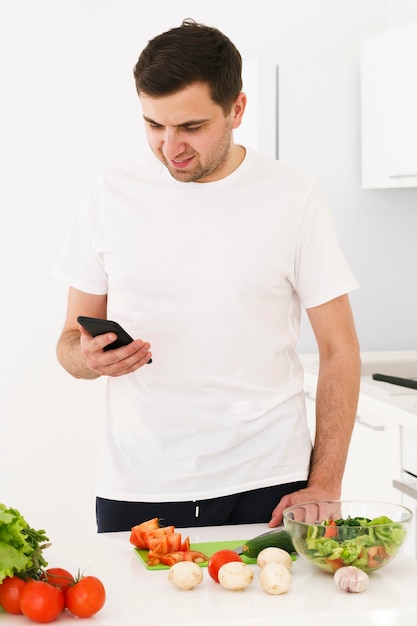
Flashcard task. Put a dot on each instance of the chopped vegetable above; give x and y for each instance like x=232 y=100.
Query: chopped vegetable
x=146 y=539
x=331 y=530
x=20 y=546
x=175 y=557
x=377 y=542
x=165 y=545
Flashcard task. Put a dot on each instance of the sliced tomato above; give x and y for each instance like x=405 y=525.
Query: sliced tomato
x=331 y=530
x=335 y=563
x=143 y=527
x=183 y=555
x=376 y=556
x=146 y=540
x=150 y=524
x=168 y=543
x=153 y=537
x=185 y=544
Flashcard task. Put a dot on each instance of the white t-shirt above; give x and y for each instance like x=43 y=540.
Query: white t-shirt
x=213 y=275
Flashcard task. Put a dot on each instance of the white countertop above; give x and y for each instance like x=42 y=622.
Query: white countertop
x=137 y=596
x=399 y=406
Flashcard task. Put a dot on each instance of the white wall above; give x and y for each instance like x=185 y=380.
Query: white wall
x=68 y=109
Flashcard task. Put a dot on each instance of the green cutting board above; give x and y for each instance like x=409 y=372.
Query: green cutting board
x=208 y=548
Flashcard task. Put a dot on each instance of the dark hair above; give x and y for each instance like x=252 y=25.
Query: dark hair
x=187 y=54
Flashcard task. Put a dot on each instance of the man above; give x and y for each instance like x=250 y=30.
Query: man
x=205 y=252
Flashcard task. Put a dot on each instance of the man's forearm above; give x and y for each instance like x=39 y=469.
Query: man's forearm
x=336 y=405
x=70 y=357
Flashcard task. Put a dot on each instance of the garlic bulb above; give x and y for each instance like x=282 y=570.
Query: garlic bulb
x=351 y=578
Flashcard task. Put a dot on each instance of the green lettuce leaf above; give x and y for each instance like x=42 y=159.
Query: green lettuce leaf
x=20 y=545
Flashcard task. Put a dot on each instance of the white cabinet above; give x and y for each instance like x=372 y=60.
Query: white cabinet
x=407 y=485
x=374 y=460
x=388 y=108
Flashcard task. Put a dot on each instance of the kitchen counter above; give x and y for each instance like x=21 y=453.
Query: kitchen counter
x=136 y=595
x=397 y=405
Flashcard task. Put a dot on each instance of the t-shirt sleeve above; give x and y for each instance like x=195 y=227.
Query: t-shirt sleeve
x=79 y=264
x=321 y=269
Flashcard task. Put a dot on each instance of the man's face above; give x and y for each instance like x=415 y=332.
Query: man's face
x=190 y=133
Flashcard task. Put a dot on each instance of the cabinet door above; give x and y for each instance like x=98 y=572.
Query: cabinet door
x=388 y=108
x=373 y=460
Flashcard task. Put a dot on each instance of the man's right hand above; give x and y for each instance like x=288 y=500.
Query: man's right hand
x=117 y=362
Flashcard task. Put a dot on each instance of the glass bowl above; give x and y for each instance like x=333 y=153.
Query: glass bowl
x=335 y=533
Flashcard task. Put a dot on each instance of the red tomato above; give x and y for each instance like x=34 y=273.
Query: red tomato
x=86 y=597
x=220 y=558
x=59 y=577
x=41 y=602
x=10 y=590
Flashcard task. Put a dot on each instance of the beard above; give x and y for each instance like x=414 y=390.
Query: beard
x=199 y=170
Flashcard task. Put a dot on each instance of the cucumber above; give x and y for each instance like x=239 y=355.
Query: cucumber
x=275 y=539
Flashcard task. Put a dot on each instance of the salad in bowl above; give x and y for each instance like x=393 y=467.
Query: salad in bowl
x=334 y=533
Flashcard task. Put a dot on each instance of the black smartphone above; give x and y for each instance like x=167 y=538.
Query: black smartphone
x=97 y=326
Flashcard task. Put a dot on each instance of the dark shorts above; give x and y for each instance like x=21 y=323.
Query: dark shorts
x=250 y=507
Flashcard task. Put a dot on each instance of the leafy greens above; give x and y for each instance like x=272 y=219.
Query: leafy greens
x=20 y=545
x=377 y=542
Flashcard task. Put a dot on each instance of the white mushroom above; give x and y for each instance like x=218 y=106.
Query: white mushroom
x=275 y=578
x=235 y=575
x=185 y=575
x=274 y=555
x=351 y=578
